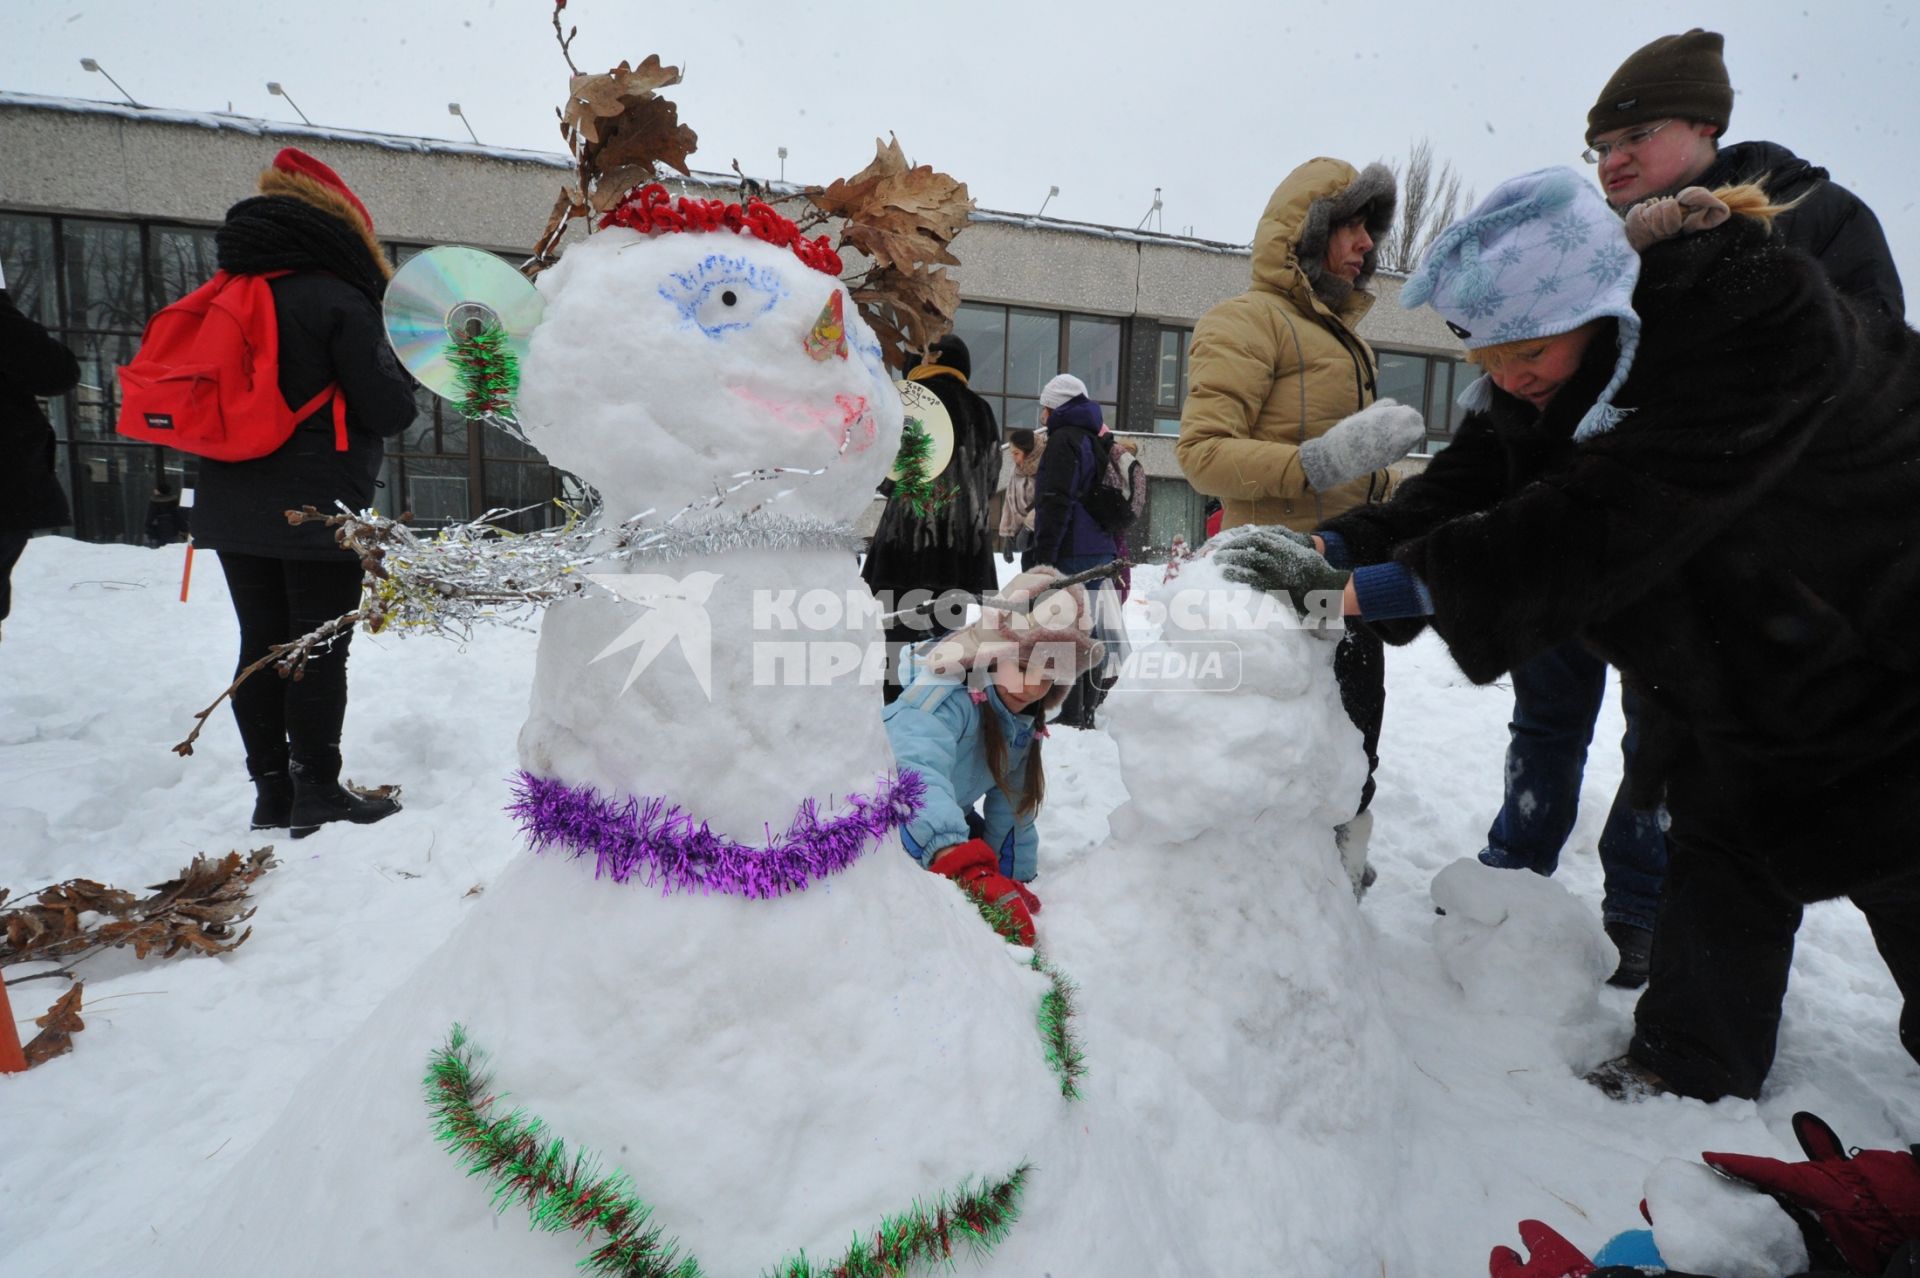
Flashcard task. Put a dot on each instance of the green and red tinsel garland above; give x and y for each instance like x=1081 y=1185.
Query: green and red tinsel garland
x=914 y=486
x=562 y=1191
x=526 y=1165
x=489 y=373
x=1056 y=1005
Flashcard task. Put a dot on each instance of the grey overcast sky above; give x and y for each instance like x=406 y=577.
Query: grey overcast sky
x=1213 y=101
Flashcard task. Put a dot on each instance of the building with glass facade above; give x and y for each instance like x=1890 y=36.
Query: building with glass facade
x=107 y=214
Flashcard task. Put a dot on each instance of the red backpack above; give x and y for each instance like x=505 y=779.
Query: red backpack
x=206 y=379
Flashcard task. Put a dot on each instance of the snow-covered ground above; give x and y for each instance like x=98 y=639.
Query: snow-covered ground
x=108 y=1153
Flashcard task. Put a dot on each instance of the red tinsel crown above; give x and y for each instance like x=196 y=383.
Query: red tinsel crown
x=648 y=210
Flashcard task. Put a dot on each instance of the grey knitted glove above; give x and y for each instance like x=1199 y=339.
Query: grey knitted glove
x=1270 y=559
x=1382 y=433
x=1692 y=210
x=1232 y=535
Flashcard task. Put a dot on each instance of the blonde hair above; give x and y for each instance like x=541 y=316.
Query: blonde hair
x=1492 y=357
x=1748 y=200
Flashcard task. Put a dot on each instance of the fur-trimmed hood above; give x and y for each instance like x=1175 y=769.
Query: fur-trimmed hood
x=316 y=194
x=1290 y=243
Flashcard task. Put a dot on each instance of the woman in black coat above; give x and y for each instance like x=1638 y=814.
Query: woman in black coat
x=1720 y=497
x=33 y=365
x=287 y=580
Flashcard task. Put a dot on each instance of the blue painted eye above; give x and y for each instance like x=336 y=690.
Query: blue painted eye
x=724 y=294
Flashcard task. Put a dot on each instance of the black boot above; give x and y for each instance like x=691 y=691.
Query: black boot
x=1636 y=954
x=318 y=797
x=272 y=800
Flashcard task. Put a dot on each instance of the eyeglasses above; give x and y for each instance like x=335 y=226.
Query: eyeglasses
x=1629 y=142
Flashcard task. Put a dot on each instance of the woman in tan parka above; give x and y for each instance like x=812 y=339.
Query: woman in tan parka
x=1281 y=421
x=1282 y=364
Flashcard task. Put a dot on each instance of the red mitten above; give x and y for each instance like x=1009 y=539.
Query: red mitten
x=976 y=869
x=1867 y=1205
x=1550 y=1256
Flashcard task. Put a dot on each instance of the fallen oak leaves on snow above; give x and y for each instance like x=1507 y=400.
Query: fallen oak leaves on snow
x=57 y=1028
x=198 y=911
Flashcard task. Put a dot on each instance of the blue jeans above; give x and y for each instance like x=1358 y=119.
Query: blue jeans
x=1556 y=697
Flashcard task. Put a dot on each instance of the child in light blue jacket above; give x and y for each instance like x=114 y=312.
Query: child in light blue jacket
x=970 y=724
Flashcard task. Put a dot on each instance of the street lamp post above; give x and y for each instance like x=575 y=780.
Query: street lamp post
x=90 y=65
x=275 y=88
x=453 y=108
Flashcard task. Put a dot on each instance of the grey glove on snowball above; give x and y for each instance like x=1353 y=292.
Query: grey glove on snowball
x=1376 y=436
x=1273 y=560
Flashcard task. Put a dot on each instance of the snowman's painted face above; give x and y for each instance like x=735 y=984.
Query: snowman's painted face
x=672 y=367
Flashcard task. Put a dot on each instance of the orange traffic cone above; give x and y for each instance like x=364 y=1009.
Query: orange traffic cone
x=12 y=1059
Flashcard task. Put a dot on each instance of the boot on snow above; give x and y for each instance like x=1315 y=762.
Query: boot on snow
x=272 y=800
x=318 y=797
x=1636 y=954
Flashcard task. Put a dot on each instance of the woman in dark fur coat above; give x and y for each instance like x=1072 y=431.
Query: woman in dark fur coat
x=1717 y=490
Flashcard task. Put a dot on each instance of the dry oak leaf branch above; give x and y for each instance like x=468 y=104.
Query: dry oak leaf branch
x=199 y=911
x=618 y=129
x=902 y=218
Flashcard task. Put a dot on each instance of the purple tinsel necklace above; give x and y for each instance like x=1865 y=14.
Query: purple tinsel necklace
x=659 y=842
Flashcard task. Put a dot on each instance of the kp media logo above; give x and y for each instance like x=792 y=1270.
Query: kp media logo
x=674 y=611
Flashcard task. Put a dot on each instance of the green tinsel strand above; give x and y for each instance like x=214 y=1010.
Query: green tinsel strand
x=997 y=916
x=1056 y=1005
x=489 y=375
x=1056 y=1029
x=561 y=1192
x=923 y=1235
x=915 y=487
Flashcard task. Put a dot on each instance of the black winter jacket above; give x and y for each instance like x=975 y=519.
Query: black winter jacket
x=1744 y=546
x=1075 y=458
x=1832 y=224
x=329 y=332
x=32 y=365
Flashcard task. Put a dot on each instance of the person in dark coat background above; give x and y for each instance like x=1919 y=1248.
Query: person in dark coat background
x=950 y=549
x=285 y=580
x=32 y=365
x=1065 y=535
x=1654 y=129
x=1714 y=490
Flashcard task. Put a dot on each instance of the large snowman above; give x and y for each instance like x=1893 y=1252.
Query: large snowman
x=714 y=972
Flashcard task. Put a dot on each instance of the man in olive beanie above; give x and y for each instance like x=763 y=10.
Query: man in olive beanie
x=1655 y=128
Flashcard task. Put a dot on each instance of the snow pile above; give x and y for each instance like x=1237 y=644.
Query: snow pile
x=1229 y=992
x=117 y=1158
x=1518 y=943
x=1707 y=1224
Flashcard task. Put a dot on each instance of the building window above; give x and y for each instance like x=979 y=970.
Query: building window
x=1174 y=509
x=1430 y=383
x=1170 y=380
x=1016 y=351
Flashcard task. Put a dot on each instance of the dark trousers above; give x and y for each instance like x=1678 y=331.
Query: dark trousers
x=1092 y=686
x=1360 y=668
x=1556 y=698
x=277 y=600
x=1721 y=952
x=13 y=543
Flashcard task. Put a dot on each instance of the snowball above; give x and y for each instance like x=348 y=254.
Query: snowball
x=1516 y=942
x=1707 y=1224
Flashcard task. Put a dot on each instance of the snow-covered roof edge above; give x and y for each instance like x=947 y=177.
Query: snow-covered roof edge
x=253 y=126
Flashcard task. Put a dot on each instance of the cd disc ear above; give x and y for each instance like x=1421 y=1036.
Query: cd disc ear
x=924 y=407
x=442 y=295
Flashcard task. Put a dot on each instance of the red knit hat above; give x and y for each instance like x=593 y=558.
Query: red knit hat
x=291 y=160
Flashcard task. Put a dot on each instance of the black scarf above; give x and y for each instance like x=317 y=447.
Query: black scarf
x=280 y=233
